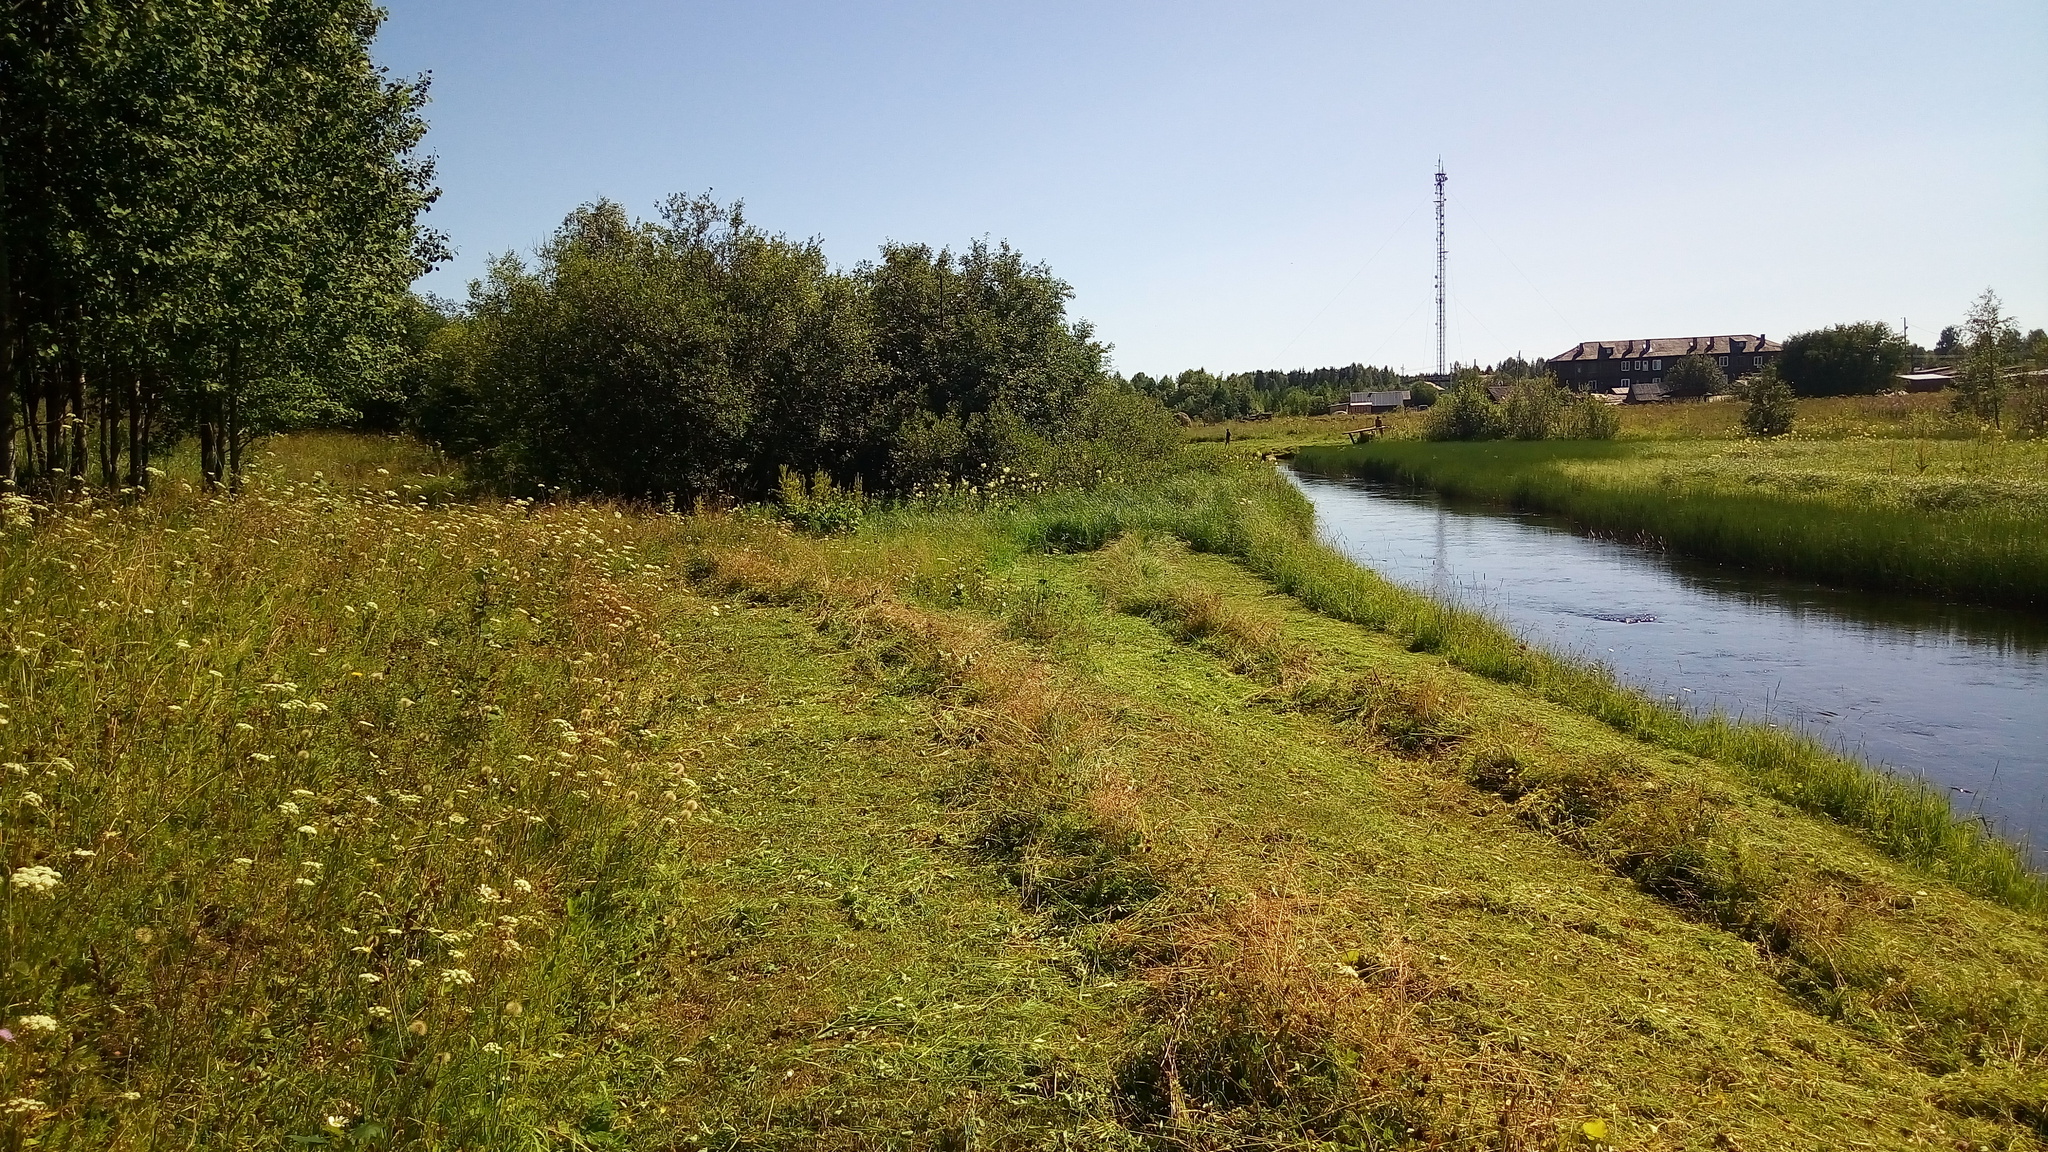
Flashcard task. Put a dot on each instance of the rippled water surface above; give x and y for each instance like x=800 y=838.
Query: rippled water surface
x=1955 y=694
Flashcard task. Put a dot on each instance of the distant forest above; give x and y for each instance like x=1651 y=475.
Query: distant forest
x=1202 y=395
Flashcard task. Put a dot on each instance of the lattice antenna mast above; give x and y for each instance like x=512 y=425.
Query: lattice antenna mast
x=1440 y=266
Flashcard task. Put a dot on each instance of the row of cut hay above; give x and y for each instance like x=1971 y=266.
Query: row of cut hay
x=1984 y=555
x=1244 y=510
x=1253 y=1032
x=1833 y=940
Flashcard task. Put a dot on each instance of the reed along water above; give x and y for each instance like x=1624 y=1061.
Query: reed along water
x=1954 y=694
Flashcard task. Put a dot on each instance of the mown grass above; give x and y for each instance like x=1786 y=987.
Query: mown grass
x=1243 y=510
x=1961 y=519
x=1009 y=825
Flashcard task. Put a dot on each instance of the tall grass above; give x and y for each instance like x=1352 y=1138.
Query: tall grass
x=1248 y=512
x=327 y=810
x=1984 y=547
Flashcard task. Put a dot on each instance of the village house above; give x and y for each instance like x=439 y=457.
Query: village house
x=1368 y=403
x=1635 y=369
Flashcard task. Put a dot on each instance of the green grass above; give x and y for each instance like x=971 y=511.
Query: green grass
x=1128 y=819
x=1960 y=519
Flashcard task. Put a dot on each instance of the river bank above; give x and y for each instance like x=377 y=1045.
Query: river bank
x=1944 y=691
x=1957 y=518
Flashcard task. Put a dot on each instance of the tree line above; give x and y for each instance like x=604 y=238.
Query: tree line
x=1203 y=396
x=1867 y=358
x=697 y=356
x=211 y=218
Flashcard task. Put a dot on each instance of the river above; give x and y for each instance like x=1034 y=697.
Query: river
x=1954 y=694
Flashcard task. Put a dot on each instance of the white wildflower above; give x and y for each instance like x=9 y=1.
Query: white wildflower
x=32 y=799
x=36 y=1023
x=309 y=830
x=522 y=886
x=39 y=878
x=379 y=1012
x=457 y=976
x=493 y=1047
x=288 y=808
x=303 y=793
x=370 y=977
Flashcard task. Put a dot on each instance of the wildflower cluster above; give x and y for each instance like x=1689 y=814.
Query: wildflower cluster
x=311 y=770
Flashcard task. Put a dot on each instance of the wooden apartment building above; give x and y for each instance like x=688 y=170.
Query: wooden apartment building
x=1635 y=369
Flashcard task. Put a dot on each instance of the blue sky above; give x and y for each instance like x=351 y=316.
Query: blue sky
x=1244 y=186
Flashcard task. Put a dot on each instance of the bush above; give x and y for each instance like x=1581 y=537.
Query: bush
x=1465 y=412
x=1536 y=409
x=1770 y=407
x=1533 y=408
x=1585 y=418
x=2029 y=408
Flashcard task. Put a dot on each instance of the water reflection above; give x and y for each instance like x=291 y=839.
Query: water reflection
x=1957 y=694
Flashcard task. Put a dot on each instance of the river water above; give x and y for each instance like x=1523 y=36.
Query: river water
x=1954 y=694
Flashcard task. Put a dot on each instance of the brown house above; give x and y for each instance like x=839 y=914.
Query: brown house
x=1636 y=368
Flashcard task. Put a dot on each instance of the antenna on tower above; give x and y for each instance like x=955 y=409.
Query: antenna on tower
x=1440 y=265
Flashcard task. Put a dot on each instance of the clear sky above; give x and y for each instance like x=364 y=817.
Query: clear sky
x=1241 y=186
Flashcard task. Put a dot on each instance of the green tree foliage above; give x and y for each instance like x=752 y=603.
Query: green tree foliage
x=1532 y=408
x=1845 y=360
x=1202 y=395
x=977 y=349
x=210 y=220
x=1991 y=342
x=1695 y=376
x=1585 y=417
x=1537 y=408
x=1770 y=405
x=1465 y=412
x=698 y=356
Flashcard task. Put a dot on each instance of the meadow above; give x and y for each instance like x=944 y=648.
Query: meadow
x=366 y=810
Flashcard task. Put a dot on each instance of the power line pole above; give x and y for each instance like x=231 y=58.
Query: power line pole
x=1440 y=265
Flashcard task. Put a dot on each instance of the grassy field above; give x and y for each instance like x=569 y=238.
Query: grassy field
x=358 y=812
x=1958 y=518
x=1919 y=416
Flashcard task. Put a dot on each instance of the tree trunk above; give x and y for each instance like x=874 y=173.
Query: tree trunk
x=53 y=426
x=233 y=436
x=81 y=459
x=208 y=459
x=137 y=478
x=25 y=374
x=8 y=362
x=231 y=425
x=110 y=441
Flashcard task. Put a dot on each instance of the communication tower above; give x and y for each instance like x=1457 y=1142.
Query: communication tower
x=1440 y=266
